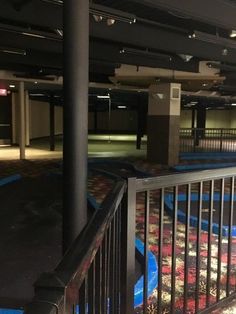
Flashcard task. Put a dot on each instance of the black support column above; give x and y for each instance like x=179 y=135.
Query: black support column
x=76 y=69
x=52 y=123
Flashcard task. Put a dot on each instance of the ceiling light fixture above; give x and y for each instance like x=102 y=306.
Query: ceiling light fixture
x=145 y=53
x=59 y=32
x=233 y=34
x=121 y=107
x=12 y=86
x=13 y=51
x=104 y=12
x=111 y=22
x=33 y=35
x=57 y=2
x=103 y=96
x=185 y=57
x=97 y=18
x=224 y=67
x=213 y=39
x=111 y=14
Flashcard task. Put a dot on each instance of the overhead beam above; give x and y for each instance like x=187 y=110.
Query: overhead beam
x=35 y=12
x=111 y=52
x=215 y=12
x=145 y=36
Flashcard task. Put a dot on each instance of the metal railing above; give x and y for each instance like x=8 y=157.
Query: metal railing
x=188 y=221
x=207 y=140
x=95 y=275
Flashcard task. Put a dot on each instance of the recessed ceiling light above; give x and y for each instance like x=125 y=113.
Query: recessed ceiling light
x=233 y=34
x=35 y=82
x=12 y=86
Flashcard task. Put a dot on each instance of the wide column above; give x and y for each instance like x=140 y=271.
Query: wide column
x=163 y=123
x=76 y=62
x=22 y=121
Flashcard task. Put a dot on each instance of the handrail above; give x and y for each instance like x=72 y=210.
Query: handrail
x=182 y=178
x=53 y=290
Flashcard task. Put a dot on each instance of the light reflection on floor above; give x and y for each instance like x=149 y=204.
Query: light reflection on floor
x=98 y=146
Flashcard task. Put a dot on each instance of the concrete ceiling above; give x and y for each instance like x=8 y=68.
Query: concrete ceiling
x=160 y=35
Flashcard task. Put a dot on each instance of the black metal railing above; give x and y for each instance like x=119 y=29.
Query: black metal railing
x=189 y=222
x=207 y=140
x=95 y=274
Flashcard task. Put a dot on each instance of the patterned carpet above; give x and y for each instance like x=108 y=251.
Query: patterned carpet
x=99 y=186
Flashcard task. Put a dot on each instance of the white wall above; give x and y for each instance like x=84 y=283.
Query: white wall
x=218 y=119
x=39 y=119
x=186 y=119
x=233 y=118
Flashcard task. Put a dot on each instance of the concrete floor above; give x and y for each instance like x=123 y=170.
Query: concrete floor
x=98 y=146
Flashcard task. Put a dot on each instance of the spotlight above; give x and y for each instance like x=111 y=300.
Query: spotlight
x=97 y=18
x=111 y=22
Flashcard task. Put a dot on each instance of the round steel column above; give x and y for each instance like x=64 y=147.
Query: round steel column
x=76 y=69
x=22 y=120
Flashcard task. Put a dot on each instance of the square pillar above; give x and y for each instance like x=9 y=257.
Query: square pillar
x=163 y=123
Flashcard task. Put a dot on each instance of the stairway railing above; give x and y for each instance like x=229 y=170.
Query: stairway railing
x=94 y=275
x=188 y=220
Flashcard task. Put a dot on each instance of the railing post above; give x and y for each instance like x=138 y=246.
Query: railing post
x=221 y=140
x=128 y=249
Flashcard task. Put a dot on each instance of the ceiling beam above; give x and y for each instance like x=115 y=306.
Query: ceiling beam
x=105 y=51
x=146 y=36
x=34 y=12
x=215 y=12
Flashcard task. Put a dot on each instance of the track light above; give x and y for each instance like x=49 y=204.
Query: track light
x=97 y=18
x=214 y=39
x=111 y=22
x=186 y=58
x=145 y=53
x=224 y=67
x=111 y=15
x=104 y=12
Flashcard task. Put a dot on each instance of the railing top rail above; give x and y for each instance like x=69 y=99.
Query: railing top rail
x=171 y=180
x=214 y=129
x=78 y=258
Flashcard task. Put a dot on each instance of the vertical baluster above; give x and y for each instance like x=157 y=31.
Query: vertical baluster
x=230 y=236
x=83 y=296
x=160 y=246
x=173 y=263
x=146 y=241
x=112 y=266
x=116 y=279
x=198 y=247
x=98 y=281
x=208 y=285
x=108 y=283
x=119 y=260
x=91 y=289
x=221 y=215
x=104 y=275
x=186 y=257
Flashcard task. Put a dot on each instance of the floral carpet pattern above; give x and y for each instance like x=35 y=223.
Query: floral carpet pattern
x=180 y=256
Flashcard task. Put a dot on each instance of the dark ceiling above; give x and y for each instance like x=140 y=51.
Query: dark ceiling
x=32 y=29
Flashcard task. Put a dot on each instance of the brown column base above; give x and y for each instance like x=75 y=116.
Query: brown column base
x=163 y=139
